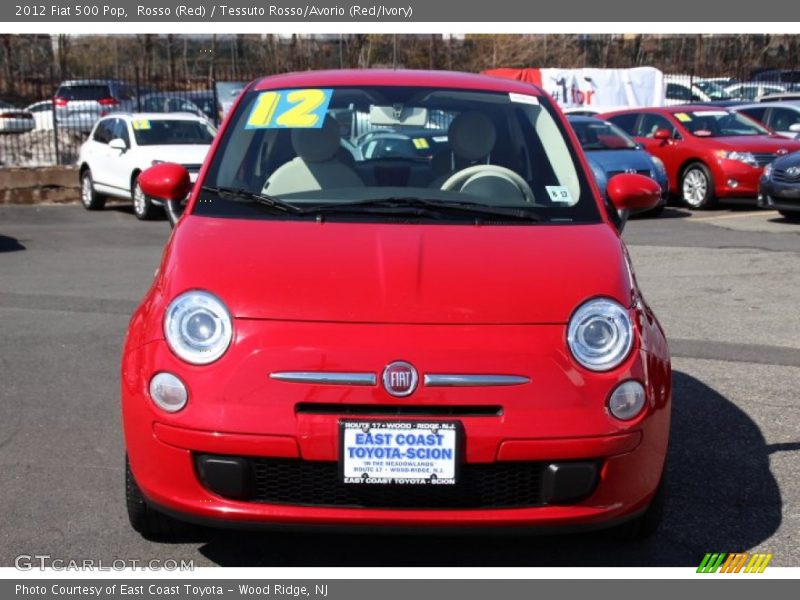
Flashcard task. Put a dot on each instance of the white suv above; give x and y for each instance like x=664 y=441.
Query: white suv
x=123 y=145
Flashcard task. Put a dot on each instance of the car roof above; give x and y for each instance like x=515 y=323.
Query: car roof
x=774 y=104
x=400 y=77
x=72 y=82
x=156 y=116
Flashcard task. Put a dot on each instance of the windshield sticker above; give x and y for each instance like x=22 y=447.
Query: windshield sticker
x=421 y=143
x=523 y=99
x=683 y=117
x=290 y=109
x=139 y=124
x=559 y=193
x=440 y=139
x=702 y=133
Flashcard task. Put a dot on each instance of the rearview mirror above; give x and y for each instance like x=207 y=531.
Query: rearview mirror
x=118 y=144
x=663 y=134
x=633 y=193
x=169 y=183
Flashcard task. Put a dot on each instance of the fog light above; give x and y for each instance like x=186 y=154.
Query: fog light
x=168 y=392
x=627 y=400
x=733 y=183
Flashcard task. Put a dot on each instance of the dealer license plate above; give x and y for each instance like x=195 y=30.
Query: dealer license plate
x=393 y=452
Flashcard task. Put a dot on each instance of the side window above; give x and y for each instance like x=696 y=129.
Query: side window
x=755 y=113
x=651 y=123
x=783 y=118
x=102 y=132
x=626 y=122
x=121 y=131
x=676 y=91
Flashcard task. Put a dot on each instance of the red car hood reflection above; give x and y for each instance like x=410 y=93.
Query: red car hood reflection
x=396 y=273
x=755 y=143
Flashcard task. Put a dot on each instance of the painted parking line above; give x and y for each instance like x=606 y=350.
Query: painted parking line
x=765 y=213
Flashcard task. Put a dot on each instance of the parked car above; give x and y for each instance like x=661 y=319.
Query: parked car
x=680 y=89
x=715 y=90
x=321 y=349
x=610 y=151
x=14 y=120
x=169 y=102
x=751 y=91
x=81 y=102
x=709 y=153
x=420 y=144
x=780 y=186
x=779 y=97
x=780 y=117
x=123 y=145
x=42 y=113
x=789 y=79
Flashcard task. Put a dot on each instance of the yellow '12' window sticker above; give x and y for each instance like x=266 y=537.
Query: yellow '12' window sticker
x=421 y=143
x=290 y=109
x=683 y=117
x=140 y=124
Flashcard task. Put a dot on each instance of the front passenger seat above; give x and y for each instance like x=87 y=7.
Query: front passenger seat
x=316 y=166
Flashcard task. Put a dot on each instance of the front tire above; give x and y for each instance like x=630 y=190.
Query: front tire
x=90 y=199
x=147 y=521
x=646 y=524
x=143 y=207
x=697 y=187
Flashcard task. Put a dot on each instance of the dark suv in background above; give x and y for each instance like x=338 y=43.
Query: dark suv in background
x=79 y=103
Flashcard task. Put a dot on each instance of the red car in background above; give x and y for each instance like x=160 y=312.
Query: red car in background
x=338 y=340
x=709 y=152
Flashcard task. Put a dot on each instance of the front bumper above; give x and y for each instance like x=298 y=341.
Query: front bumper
x=236 y=410
x=734 y=179
x=780 y=196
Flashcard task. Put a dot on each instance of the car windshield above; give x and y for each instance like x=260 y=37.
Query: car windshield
x=83 y=92
x=601 y=135
x=153 y=132
x=713 y=90
x=718 y=123
x=342 y=146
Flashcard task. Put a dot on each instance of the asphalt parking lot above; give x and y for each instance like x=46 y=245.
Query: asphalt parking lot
x=724 y=284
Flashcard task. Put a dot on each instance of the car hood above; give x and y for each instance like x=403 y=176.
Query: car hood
x=396 y=273
x=619 y=160
x=184 y=154
x=756 y=143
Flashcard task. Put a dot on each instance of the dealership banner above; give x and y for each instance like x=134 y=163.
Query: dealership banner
x=389 y=11
x=605 y=89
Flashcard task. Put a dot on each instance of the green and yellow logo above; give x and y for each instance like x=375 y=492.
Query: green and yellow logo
x=737 y=562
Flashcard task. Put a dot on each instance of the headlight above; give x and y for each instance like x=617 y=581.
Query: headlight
x=660 y=168
x=198 y=327
x=600 y=334
x=744 y=157
x=767 y=171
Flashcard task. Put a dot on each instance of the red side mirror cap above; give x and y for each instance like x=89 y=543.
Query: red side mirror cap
x=166 y=181
x=663 y=134
x=632 y=192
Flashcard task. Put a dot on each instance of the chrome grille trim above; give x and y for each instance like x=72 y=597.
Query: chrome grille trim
x=454 y=380
x=326 y=377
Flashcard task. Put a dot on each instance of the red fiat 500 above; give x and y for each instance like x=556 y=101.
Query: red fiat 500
x=709 y=152
x=443 y=339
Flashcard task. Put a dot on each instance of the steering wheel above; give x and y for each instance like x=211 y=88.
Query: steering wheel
x=459 y=177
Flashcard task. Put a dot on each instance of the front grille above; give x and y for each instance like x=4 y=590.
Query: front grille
x=781 y=176
x=416 y=410
x=316 y=483
x=764 y=158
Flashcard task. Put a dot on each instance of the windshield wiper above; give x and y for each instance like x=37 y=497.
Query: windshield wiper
x=238 y=195
x=402 y=205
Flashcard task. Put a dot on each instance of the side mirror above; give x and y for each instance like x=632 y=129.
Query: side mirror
x=633 y=193
x=663 y=134
x=795 y=127
x=169 y=183
x=118 y=144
